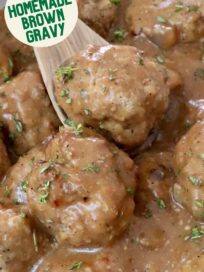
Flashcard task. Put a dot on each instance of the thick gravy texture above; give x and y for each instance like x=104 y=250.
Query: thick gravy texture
x=163 y=236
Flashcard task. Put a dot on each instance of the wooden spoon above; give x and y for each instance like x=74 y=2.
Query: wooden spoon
x=50 y=58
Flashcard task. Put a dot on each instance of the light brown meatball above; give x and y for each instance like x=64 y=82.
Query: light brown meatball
x=98 y=14
x=13 y=187
x=66 y=259
x=4 y=159
x=189 y=167
x=114 y=88
x=168 y=22
x=16 y=242
x=26 y=112
x=83 y=192
x=6 y=65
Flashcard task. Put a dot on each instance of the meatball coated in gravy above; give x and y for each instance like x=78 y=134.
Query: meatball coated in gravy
x=167 y=22
x=25 y=112
x=189 y=167
x=14 y=185
x=82 y=192
x=116 y=89
x=16 y=243
x=4 y=159
x=99 y=14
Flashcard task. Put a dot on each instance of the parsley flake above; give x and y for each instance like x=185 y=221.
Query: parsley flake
x=76 y=266
x=161 y=204
x=115 y=2
x=195 y=181
x=119 y=34
x=78 y=128
x=196 y=233
x=92 y=168
x=161 y=19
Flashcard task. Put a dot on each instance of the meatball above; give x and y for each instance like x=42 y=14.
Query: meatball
x=13 y=187
x=6 y=65
x=116 y=89
x=66 y=259
x=98 y=14
x=83 y=192
x=4 y=159
x=167 y=23
x=26 y=112
x=16 y=242
x=189 y=167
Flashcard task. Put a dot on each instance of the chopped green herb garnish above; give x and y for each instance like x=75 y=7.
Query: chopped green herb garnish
x=196 y=233
x=22 y=215
x=119 y=35
x=64 y=93
x=87 y=112
x=19 y=125
x=45 y=168
x=66 y=72
x=78 y=128
x=161 y=19
x=179 y=7
x=161 y=204
x=131 y=191
x=160 y=59
x=44 y=197
x=92 y=168
x=195 y=181
x=46 y=185
x=115 y=2
x=7 y=191
x=45 y=188
x=5 y=76
x=68 y=101
x=24 y=186
x=76 y=266
x=199 y=203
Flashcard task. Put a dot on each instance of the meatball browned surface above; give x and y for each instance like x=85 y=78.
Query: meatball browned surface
x=98 y=14
x=16 y=242
x=82 y=193
x=167 y=22
x=189 y=167
x=4 y=159
x=26 y=112
x=65 y=259
x=13 y=187
x=6 y=65
x=114 y=88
